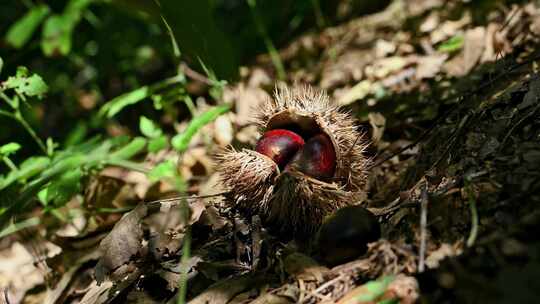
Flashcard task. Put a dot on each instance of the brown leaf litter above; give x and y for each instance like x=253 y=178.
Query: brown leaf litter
x=464 y=182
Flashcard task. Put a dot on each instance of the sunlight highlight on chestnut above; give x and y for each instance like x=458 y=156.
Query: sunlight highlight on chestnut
x=280 y=145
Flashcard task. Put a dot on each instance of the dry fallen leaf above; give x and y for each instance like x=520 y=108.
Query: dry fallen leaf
x=304 y=268
x=386 y=66
x=245 y=99
x=18 y=270
x=378 y=123
x=430 y=23
x=359 y=91
x=223 y=291
x=384 y=48
x=445 y=250
x=473 y=48
x=123 y=242
x=223 y=130
x=449 y=29
x=429 y=66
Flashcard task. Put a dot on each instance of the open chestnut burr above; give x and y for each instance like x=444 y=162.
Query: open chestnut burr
x=308 y=162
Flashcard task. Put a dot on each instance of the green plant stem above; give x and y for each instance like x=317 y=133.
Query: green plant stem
x=7 y=99
x=14 y=227
x=318 y=13
x=7 y=114
x=18 y=116
x=127 y=164
x=9 y=163
x=190 y=105
x=272 y=51
x=186 y=252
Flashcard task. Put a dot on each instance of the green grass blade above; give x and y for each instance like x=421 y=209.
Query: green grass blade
x=181 y=141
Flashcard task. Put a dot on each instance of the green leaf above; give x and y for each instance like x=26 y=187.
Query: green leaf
x=166 y=169
x=24 y=85
x=63 y=188
x=51 y=146
x=14 y=227
x=10 y=148
x=29 y=168
x=56 y=36
x=21 y=31
x=1 y=64
x=129 y=150
x=149 y=128
x=43 y=196
x=76 y=6
x=375 y=289
x=117 y=104
x=453 y=44
x=157 y=144
x=58 y=29
x=157 y=100
x=181 y=141
x=77 y=134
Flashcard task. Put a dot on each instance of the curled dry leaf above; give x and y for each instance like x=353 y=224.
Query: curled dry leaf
x=429 y=66
x=122 y=243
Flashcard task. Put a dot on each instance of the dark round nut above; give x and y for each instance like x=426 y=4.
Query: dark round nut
x=280 y=145
x=345 y=235
x=317 y=158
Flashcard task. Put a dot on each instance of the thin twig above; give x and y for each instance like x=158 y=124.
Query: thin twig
x=452 y=140
x=181 y=197
x=423 y=228
x=189 y=72
x=517 y=124
x=474 y=216
x=324 y=286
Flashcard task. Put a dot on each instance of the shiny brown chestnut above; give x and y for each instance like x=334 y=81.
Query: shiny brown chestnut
x=317 y=158
x=345 y=235
x=280 y=145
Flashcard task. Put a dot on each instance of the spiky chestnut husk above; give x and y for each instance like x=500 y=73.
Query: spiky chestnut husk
x=290 y=199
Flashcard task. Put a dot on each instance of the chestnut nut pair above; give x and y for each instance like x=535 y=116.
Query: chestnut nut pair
x=315 y=157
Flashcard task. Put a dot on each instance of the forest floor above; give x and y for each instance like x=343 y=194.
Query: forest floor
x=450 y=99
